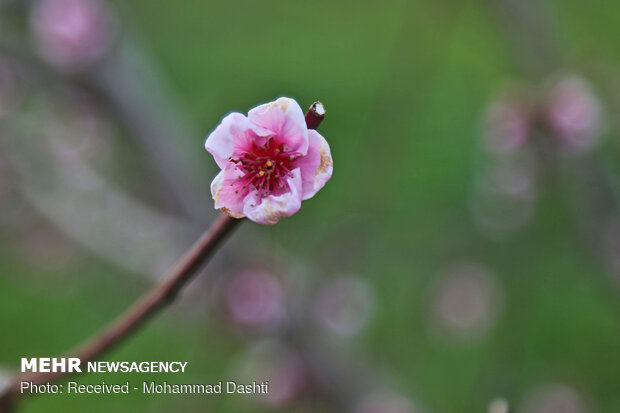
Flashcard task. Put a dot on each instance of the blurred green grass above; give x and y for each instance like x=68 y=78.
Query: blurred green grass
x=404 y=84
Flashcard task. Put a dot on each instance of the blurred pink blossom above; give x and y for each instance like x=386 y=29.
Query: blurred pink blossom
x=511 y=178
x=284 y=369
x=255 y=299
x=466 y=301
x=507 y=124
x=505 y=193
x=73 y=34
x=344 y=305
x=270 y=162
x=572 y=112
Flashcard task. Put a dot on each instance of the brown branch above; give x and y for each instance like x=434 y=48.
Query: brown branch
x=128 y=323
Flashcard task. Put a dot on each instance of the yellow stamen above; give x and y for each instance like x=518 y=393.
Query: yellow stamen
x=269 y=164
x=261 y=173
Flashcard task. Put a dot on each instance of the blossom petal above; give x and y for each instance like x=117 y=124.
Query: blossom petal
x=226 y=191
x=286 y=120
x=270 y=209
x=316 y=167
x=233 y=128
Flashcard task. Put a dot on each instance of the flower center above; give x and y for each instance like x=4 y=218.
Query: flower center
x=266 y=167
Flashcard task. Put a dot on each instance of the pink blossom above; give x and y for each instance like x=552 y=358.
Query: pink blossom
x=270 y=162
x=344 y=305
x=573 y=113
x=255 y=299
x=507 y=124
x=287 y=372
x=72 y=34
x=466 y=301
